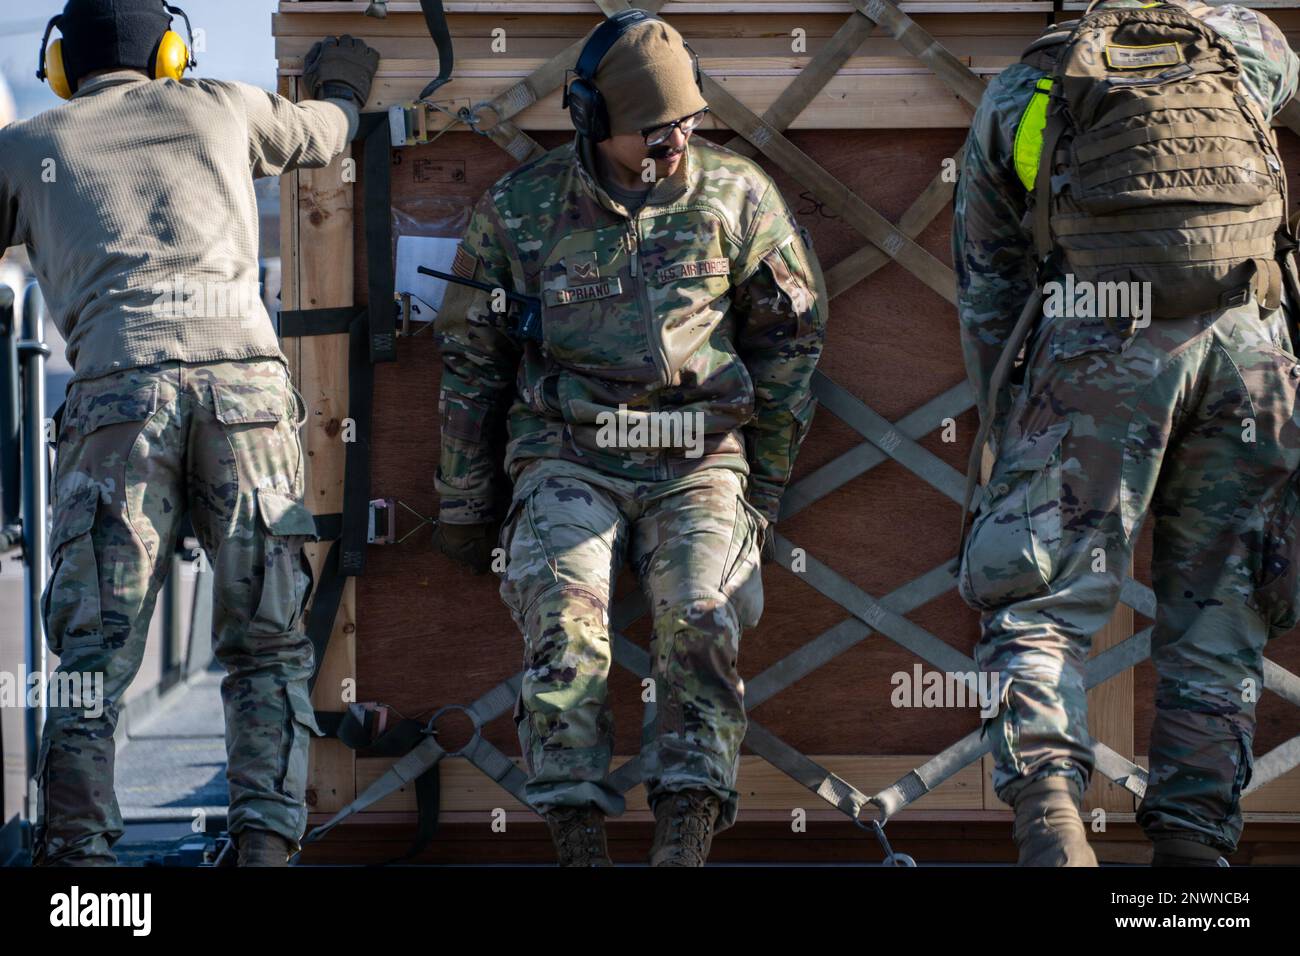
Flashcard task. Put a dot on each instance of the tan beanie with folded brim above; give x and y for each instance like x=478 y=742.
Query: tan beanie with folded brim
x=648 y=78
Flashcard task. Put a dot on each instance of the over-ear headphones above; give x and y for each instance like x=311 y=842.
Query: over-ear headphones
x=169 y=61
x=581 y=98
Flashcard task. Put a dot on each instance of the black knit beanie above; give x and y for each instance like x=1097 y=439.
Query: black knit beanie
x=103 y=34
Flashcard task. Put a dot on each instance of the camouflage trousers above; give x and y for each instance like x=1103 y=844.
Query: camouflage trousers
x=1192 y=421
x=137 y=450
x=694 y=543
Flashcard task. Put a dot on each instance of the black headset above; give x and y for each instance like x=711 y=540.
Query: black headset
x=584 y=102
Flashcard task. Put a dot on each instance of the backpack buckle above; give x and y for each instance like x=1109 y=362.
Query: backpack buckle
x=1236 y=297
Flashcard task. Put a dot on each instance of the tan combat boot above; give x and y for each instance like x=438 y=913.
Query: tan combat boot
x=262 y=848
x=579 y=836
x=1177 y=852
x=684 y=828
x=1048 y=830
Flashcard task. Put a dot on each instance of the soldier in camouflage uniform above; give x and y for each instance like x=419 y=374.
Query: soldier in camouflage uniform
x=1192 y=419
x=180 y=402
x=696 y=297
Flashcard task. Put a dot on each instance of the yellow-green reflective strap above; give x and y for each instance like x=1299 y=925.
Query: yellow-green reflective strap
x=1029 y=134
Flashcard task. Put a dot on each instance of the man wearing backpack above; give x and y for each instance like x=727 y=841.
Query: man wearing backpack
x=1149 y=251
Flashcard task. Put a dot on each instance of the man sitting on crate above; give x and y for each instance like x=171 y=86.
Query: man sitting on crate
x=1131 y=162
x=135 y=200
x=655 y=417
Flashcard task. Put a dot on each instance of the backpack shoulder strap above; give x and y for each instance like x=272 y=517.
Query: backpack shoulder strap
x=1055 y=125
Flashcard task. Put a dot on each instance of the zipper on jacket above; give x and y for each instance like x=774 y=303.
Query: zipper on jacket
x=652 y=338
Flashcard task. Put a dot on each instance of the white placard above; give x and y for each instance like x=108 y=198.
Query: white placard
x=434 y=252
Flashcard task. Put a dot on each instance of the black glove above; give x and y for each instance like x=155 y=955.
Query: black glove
x=468 y=544
x=340 y=66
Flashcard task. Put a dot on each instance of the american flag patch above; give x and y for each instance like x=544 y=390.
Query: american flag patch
x=464 y=264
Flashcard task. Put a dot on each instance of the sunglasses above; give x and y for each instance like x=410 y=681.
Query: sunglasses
x=657 y=134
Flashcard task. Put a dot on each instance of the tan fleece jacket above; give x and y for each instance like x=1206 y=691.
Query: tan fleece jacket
x=135 y=199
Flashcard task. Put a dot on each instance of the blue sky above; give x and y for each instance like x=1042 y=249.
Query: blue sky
x=239 y=44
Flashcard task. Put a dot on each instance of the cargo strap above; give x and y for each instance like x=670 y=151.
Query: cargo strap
x=422 y=758
x=435 y=18
x=418 y=752
x=365 y=729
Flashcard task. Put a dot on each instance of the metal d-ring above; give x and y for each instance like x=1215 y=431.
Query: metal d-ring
x=478 y=728
x=471 y=116
x=877 y=828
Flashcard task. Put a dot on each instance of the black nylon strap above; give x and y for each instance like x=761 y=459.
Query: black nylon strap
x=428 y=803
x=296 y=323
x=329 y=527
x=380 y=279
x=356 y=480
x=436 y=20
x=355 y=728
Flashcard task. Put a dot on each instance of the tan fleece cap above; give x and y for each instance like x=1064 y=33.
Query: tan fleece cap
x=648 y=78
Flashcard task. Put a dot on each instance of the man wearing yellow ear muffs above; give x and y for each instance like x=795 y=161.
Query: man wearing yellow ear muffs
x=135 y=200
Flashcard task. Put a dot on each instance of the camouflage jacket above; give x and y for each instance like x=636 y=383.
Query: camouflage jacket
x=992 y=233
x=707 y=308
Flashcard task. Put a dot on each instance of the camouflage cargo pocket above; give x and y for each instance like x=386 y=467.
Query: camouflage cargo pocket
x=251 y=403
x=300 y=727
x=1014 y=542
x=742 y=580
x=112 y=400
x=287 y=580
x=70 y=604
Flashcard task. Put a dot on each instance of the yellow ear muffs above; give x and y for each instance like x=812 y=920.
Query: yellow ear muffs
x=55 y=75
x=173 y=57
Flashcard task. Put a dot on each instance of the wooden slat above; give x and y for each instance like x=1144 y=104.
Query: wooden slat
x=915 y=40
x=897 y=101
x=419 y=46
x=693 y=27
x=318 y=204
x=764 y=789
x=811 y=80
x=762 y=786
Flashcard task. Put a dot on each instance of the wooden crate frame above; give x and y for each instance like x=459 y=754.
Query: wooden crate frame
x=317 y=202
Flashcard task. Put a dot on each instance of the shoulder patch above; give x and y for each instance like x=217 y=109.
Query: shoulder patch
x=702 y=267
x=465 y=263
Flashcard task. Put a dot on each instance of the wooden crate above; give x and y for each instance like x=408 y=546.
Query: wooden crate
x=417 y=633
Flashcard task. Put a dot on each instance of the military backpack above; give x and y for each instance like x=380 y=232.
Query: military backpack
x=1150 y=161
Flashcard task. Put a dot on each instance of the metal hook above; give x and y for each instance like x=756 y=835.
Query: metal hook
x=877 y=828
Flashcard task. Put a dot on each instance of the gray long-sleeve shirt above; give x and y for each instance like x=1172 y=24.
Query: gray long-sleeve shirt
x=135 y=200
